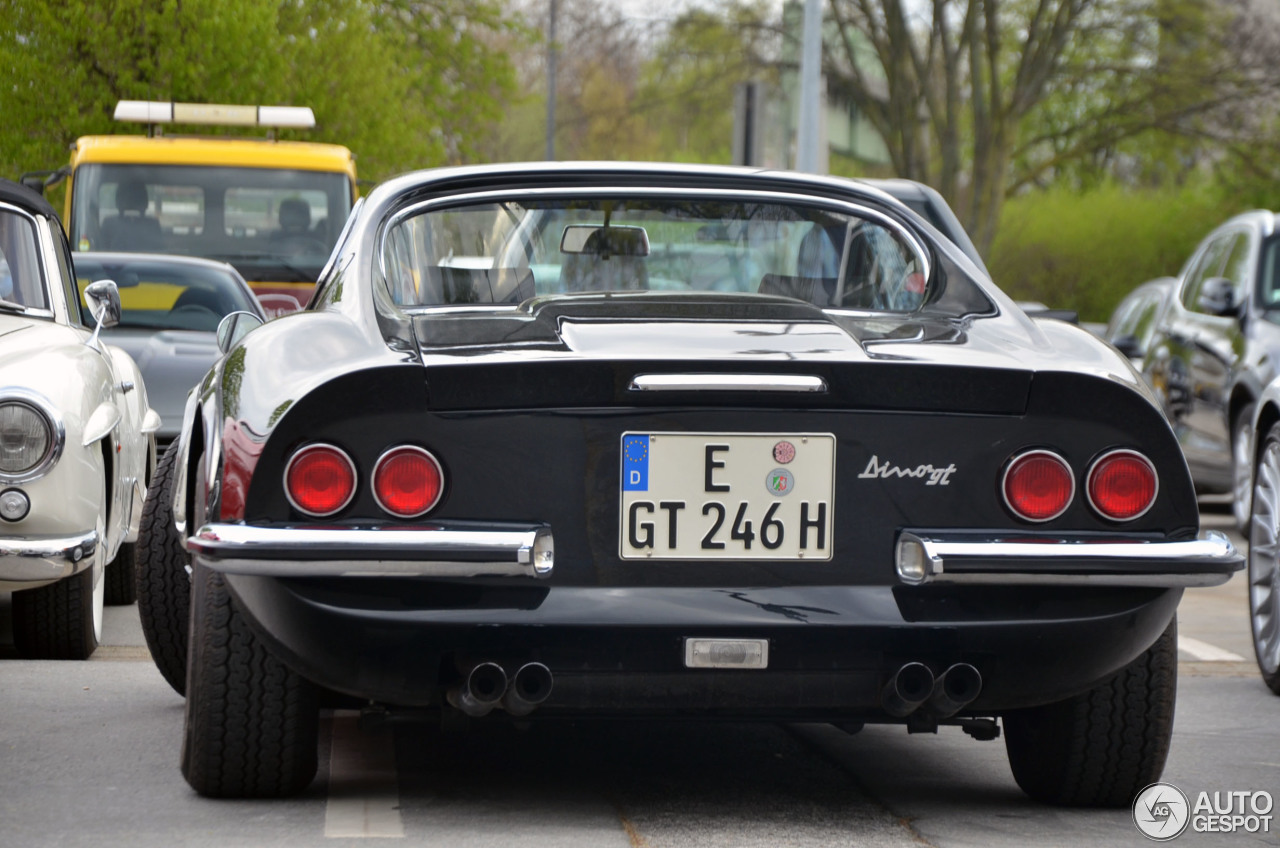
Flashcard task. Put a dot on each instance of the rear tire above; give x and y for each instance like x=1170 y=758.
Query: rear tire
x=1103 y=747
x=122 y=577
x=1264 y=561
x=61 y=621
x=252 y=724
x=163 y=584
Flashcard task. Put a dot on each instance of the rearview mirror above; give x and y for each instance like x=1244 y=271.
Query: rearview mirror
x=605 y=241
x=235 y=327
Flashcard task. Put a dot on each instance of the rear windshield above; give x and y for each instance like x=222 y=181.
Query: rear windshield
x=509 y=252
x=271 y=224
x=166 y=295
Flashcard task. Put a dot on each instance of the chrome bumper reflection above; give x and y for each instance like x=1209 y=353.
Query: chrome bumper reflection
x=458 y=549
x=1209 y=560
x=44 y=559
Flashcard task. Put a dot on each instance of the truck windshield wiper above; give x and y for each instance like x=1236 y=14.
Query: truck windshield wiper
x=10 y=306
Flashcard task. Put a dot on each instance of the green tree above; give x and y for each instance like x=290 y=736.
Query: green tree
x=404 y=84
x=982 y=98
x=687 y=87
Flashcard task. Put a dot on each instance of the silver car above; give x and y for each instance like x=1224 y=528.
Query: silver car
x=170 y=309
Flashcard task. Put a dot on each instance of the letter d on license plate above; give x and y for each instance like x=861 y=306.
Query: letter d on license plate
x=727 y=496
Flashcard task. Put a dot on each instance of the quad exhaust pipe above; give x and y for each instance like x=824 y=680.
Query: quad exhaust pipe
x=953 y=690
x=486 y=686
x=910 y=686
x=913 y=687
x=529 y=688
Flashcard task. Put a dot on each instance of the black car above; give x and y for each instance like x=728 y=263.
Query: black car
x=582 y=440
x=1215 y=348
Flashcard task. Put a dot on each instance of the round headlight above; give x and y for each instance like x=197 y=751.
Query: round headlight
x=26 y=438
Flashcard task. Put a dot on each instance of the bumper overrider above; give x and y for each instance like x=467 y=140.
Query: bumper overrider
x=42 y=560
x=1054 y=618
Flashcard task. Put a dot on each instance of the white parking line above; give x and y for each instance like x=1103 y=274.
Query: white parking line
x=364 y=794
x=1204 y=652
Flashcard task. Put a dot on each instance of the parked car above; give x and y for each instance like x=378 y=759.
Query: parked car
x=1215 y=349
x=75 y=434
x=1133 y=322
x=568 y=440
x=170 y=310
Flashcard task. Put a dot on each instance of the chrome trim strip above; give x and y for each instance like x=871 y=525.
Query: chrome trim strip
x=727 y=383
x=45 y=559
x=1209 y=560
x=372 y=551
x=57 y=432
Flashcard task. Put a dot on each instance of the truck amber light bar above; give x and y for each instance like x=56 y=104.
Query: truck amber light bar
x=222 y=114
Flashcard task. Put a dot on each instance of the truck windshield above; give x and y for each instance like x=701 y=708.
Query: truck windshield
x=271 y=224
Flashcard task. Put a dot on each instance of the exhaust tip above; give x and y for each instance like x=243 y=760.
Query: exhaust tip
x=910 y=686
x=955 y=689
x=487 y=683
x=531 y=686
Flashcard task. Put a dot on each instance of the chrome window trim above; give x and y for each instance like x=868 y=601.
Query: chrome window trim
x=373 y=480
x=922 y=252
x=355 y=476
x=1004 y=479
x=1093 y=468
x=57 y=432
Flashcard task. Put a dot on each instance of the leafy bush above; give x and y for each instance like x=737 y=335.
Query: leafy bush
x=1085 y=251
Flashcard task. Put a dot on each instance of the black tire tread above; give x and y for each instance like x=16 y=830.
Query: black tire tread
x=1100 y=748
x=252 y=724
x=121 y=577
x=1272 y=679
x=55 y=622
x=163 y=586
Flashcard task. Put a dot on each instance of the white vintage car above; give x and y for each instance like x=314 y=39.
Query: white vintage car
x=76 y=440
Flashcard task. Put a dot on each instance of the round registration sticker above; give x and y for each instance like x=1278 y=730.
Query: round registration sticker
x=784 y=452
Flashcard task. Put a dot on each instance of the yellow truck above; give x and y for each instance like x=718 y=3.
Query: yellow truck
x=273 y=209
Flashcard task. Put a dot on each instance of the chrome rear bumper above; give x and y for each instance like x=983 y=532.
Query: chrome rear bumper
x=455 y=549
x=1085 y=560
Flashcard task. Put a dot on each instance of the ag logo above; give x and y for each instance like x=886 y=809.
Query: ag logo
x=1161 y=812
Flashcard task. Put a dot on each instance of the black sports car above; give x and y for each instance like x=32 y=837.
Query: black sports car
x=578 y=440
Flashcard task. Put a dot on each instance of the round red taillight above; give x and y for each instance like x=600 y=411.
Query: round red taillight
x=1122 y=485
x=407 y=481
x=320 y=480
x=1038 y=485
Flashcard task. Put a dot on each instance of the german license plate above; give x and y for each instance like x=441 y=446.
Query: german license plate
x=727 y=496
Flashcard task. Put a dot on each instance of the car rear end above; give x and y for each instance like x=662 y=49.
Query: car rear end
x=765 y=541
